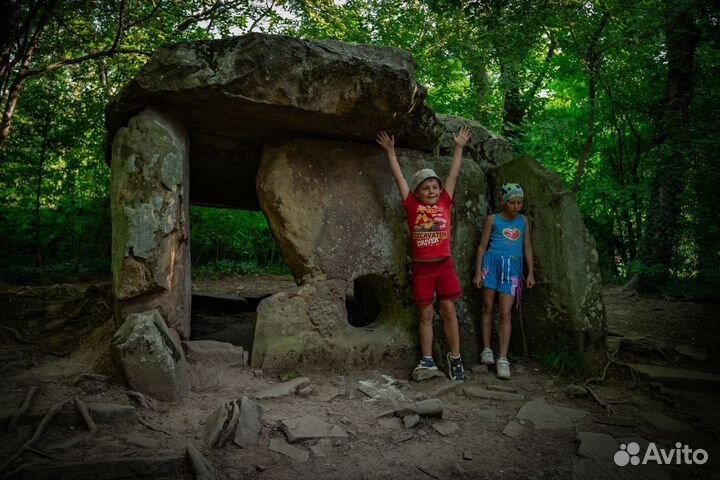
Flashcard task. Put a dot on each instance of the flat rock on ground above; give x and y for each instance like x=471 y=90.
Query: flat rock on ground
x=477 y=392
x=549 y=417
x=664 y=423
x=309 y=427
x=281 y=446
x=596 y=461
x=445 y=427
x=677 y=377
x=282 y=389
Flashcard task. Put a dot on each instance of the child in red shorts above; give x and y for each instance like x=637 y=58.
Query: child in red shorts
x=428 y=204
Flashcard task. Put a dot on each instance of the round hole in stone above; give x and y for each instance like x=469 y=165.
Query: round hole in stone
x=363 y=305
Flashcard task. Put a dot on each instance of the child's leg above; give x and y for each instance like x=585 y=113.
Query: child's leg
x=450 y=325
x=505 y=303
x=425 y=317
x=488 y=297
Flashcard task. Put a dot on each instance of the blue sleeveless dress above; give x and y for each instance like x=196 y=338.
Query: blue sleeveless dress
x=503 y=261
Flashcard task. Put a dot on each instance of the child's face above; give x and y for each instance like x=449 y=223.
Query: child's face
x=429 y=191
x=513 y=205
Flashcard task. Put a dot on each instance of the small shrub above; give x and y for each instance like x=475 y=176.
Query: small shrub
x=563 y=361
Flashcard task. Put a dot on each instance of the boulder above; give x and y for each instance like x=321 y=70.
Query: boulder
x=485 y=147
x=565 y=309
x=336 y=214
x=309 y=326
x=150 y=211
x=150 y=356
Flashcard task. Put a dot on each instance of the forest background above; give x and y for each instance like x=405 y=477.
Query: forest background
x=620 y=98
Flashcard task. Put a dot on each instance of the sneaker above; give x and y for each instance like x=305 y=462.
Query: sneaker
x=503 y=368
x=486 y=357
x=426 y=364
x=456 y=371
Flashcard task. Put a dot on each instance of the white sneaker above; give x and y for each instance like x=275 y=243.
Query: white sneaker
x=486 y=357
x=503 y=368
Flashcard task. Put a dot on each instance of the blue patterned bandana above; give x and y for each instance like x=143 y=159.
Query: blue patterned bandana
x=510 y=190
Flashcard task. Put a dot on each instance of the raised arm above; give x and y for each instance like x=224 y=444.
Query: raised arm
x=527 y=248
x=387 y=142
x=484 y=240
x=461 y=139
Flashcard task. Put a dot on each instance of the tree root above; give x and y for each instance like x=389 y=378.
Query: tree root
x=37 y=434
x=144 y=402
x=16 y=334
x=152 y=427
x=202 y=469
x=18 y=415
x=85 y=414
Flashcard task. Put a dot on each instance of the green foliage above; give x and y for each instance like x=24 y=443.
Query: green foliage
x=522 y=68
x=233 y=241
x=284 y=377
x=564 y=361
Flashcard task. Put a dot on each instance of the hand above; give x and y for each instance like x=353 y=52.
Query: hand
x=478 y=280
x=530 y=280
x=463 y=137
x=385 y=140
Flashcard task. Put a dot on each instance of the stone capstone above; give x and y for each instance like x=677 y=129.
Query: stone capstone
x=275 y=87
x=150 y=356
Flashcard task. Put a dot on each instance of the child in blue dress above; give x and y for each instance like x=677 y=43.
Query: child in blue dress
x=505 y=242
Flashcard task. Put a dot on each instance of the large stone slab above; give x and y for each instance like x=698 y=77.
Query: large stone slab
x=150 y=213
x=150 y=356
x=238 y=93
x=565 y=309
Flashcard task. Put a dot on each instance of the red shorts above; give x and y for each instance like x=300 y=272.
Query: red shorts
x=438 y=277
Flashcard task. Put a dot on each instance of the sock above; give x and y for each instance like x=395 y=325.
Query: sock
x=454 y=357
x=429 y=358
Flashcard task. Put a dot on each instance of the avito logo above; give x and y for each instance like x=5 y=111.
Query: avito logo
x=680 y=455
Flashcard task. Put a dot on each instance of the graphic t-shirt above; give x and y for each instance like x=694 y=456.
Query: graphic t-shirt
x=429 y=226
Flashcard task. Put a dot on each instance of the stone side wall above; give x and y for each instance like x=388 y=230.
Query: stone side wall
x=150 y=213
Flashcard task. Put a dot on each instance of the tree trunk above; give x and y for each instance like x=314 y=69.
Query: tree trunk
x=662 y=229
x=38 y=194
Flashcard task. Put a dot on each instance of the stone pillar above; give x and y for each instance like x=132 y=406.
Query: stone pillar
x=150 y=219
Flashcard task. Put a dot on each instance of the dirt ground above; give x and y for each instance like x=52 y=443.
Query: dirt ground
x=55 y=338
